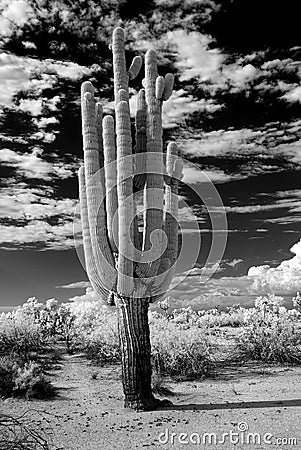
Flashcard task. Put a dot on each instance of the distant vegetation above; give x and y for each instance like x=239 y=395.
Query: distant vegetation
x=185 y=343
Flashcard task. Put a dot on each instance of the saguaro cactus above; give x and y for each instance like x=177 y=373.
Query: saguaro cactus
x=130 y=267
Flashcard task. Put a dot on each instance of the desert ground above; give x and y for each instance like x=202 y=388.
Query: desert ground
x=244 y=398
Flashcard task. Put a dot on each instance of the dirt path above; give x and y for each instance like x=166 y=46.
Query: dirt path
x=88 y=414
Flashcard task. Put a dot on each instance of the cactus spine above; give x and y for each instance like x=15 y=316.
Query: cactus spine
x=118 y=261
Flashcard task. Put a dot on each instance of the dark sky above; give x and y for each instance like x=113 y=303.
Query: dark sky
x=235 y=114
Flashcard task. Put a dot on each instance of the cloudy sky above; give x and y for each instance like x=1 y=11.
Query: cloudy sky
x=235 y=114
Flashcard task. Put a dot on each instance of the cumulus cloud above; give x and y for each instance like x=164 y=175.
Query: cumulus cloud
x=239 y=75
x=38 y=232
x=284 y=202
x=284 y=279
x=194 y=58
x=90 y=295
x=294 y=95
x=193 y=175
x=14 y=12
x=221 y=142
x=20 y=204
x=234 y=262
x=32 y=165
x=33 y=75
x=271 y=145
x=224 y=291
x=180 y=104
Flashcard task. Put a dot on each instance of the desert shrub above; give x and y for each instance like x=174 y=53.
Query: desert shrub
x=179 y=345
x=33 y=326
x=20 y=333
x=102 y=346
x=96 y=331
x=179 y=350
x=271 y=333
x=186 y=317
x=234 y=316
x=64 y=326
x=7 y=376
x=23 y=379
x=31 y=382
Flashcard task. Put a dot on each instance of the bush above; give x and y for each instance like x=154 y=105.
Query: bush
x=271 y=333
x=96 y=331
x=25 y=329
x=20 y=334
x=23 y=379
x=101 y=347
x=177 y=350
x=30 y=382
x=235 y=316
x=7 y=376
x=179 y=345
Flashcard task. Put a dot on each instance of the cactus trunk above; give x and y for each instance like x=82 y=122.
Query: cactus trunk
x=135 y=351
x=125 y=265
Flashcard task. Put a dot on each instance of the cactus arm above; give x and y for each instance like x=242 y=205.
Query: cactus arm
x=141 y=142
x=94 y=188
x=121 y=77
x=174 y=174
x=99 y=114
x=109 y=147
x=168 y=86
x=121 y=74
x=153 y=193
x=171 y=205
x=135 y=67
x=125 y=199
x=91 y=268
x=160 y=84
x=122 y=96
x=139 y=150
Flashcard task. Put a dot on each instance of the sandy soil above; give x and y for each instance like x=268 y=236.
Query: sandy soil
x=88 y=414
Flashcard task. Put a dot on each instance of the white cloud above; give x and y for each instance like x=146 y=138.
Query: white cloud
x=222 y=291
x=240 y=75
x=268 y=143
x=189 y=214
x=25 y=204
x=234 y=262
x=194 y=58
x=175 y=109
x=285 y=220
x=33 y=106
x=193 y=175
x=76 y=285
x=16 y=11
x=44 y=121
x=30 y=74
x=284 y=279
x=90 y=295
x=293 y=95
x=209 y=230
x=55 y=237
x=32 y=165
x=180 y=104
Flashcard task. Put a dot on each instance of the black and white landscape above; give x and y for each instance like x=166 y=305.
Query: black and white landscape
x=235 y=114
